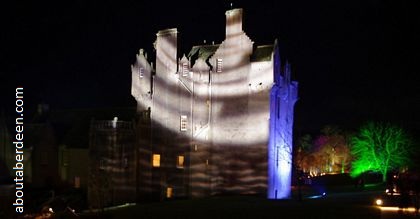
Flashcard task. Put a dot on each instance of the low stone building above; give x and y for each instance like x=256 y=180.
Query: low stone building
x=112 y=163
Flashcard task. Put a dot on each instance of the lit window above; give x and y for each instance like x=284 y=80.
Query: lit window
x=169 y=192
x=185 y=69
x=180 y=161
x=219 y=65
x=156 y=160
x=141 y=72
x=183 y=123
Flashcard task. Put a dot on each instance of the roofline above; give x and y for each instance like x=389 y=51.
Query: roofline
x=167 y=31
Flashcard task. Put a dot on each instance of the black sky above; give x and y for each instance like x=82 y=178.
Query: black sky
x=354 y=60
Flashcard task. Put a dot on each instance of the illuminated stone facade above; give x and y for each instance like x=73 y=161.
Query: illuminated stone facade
x=212 y=108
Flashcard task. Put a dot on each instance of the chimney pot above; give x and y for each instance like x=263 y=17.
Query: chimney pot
x=233 y=22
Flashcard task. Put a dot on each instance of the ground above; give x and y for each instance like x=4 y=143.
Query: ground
x=340 y=202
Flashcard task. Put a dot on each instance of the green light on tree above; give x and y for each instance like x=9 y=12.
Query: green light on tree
x=379 y=148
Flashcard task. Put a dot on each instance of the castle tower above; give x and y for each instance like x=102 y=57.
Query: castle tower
x=220 y=117
x=283 y=96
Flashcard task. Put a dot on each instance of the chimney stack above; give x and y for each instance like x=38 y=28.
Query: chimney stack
x=233 y=22
x=166 y=52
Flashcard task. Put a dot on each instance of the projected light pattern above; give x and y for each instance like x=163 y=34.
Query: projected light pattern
x=282 y=99
x=213 y=106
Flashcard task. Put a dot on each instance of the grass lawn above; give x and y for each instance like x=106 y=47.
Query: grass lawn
x=339 y=204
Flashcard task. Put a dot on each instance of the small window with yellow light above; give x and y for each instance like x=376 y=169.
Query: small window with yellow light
x=156 y=160
x=180 y=160
x=169 y=192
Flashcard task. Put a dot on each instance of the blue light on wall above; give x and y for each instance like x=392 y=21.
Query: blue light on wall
x=283 y=95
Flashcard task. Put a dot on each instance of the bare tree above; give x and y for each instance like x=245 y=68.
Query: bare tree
x=380 y=148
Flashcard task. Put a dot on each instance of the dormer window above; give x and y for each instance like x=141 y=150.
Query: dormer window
x=185 y=69
x=219 y=64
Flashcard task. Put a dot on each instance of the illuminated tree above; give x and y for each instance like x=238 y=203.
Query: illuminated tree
x=379 y=148
x=327 y=153
x=303 y=151
x=332 y=152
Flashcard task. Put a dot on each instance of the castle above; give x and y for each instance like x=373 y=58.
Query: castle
x=218 y=120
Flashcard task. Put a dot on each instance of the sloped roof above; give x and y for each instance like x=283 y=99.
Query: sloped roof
x=262 y=53
x=204 y=51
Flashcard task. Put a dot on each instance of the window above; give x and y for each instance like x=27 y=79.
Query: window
x=156 y=160
x=185 y=69
x=102 y=164
x=219 y=65
x=183 y=123
x=180 y=161
x=77 y=182
x=169 y=192
x=141 y=72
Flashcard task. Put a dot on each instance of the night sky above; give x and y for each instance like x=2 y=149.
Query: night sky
x=354 y=60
